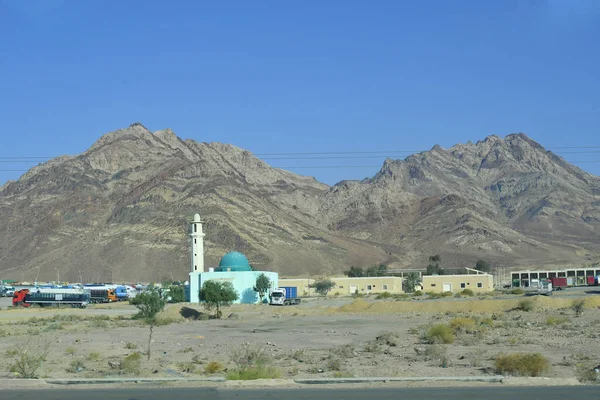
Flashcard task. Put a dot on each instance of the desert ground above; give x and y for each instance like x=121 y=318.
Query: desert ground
x=322 y=337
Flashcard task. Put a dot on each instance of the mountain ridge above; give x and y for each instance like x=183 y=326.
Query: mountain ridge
x=122 y=206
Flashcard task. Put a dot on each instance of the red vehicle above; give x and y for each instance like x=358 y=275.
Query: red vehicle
x=558 y=283
x=51 y=297
x=591 y=281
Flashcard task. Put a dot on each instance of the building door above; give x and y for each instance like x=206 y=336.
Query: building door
x=353 y=289
x=447 y=287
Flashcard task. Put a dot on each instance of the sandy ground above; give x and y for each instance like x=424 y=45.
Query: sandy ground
x=340 y=337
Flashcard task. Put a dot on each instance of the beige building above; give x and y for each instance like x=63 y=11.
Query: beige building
x=457 y=283
x=346 y=286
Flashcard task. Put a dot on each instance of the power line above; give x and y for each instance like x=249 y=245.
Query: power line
x=382 y=153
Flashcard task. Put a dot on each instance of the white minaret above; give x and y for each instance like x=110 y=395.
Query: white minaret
x=197 y=257
x=197 y=244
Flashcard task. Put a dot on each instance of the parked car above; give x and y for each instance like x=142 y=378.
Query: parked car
x=7 y=291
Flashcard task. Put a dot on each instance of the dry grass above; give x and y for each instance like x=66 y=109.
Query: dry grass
x=487 y=306
x=440 y=333
x=522 y=364
x=463 y=325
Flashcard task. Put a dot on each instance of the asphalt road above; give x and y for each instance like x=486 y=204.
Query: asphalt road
x=453 y=393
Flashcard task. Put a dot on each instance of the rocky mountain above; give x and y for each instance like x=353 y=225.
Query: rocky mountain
x=119 y=210
x=508 y=200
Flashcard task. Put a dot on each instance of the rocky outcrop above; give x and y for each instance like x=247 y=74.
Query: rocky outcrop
x=118 y=211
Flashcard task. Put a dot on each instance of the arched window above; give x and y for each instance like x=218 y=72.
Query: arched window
x=195 y=228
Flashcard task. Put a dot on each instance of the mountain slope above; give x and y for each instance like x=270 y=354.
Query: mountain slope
x=506 y=199
x=118 y=211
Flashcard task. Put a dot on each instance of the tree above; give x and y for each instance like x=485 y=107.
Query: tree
x=483 y=266
x=176 y=294
x=263 y=284
x=411 y=280
x=377 y=270
x=434 y=267
x=149 y=304
x=217 y=295
x=323 y=286
x=354 y=272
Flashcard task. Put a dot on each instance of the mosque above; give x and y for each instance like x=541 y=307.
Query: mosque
x=234 y=267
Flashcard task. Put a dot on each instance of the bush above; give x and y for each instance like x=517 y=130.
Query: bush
x=252 y=363
x=417 y=293
x=131 y=346
x=525 y=305
x=132 y=363
x=551 y=320
x=466 y=325
x=70 y=351
x=384 y=295
x=213 y=367
x=188 y=367
x=76 y=366
x=578 y=306
x=28 y=359
x=437 y=353
x=516 y=291
x=94 y=356
x=522 y=364
x=467 y=292
x=440 y=334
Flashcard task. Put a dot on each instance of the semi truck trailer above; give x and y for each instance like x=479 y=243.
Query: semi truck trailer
x=284 y=296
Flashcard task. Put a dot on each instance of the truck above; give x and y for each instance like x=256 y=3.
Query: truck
x=559 y=283
x=284 y=296
x=102 y=295
x=51 y=297
x=545 y=287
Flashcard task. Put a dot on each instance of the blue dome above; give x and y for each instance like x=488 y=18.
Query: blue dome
x=234 y=261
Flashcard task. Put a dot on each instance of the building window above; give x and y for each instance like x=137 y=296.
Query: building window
x=195 y=268
x=479 y=284
x=384 y=287
x=195 y=228
x=194 y=241
x=369 y=287
x=433 y=285
x=341 y=287
x=463 y=285
x=195 y=254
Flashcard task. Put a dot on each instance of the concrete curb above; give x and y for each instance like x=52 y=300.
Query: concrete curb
x=100 y=381
x=271 y=382
x=323 y=381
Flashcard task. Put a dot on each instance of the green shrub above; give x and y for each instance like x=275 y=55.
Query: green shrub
x=94 y=356
x=516 y=291
x=252 y=363
x=466 y=325
x=440 y=334
x=417 y=293
x=447 y=294
x=551 y=320
x=213 y=367
x=467 y=292
x=131 y=346
x=28 y=359
x=578 y=306
x=525 y=305
x=384 y=295
x=70 y=351
x=522 y=364
x=132 y=363
x=76 y=366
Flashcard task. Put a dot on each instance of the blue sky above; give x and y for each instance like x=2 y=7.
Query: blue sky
x=300 y=76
